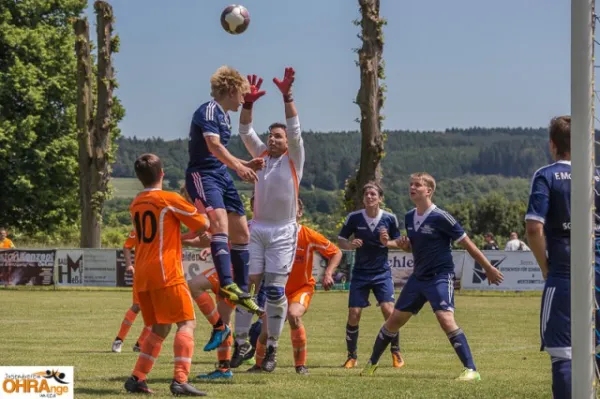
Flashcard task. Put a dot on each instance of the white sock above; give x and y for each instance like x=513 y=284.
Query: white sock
x=243 y=322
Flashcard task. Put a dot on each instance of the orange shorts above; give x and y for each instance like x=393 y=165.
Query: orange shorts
x=302 y=296
x=213 y=278
x=167 y=305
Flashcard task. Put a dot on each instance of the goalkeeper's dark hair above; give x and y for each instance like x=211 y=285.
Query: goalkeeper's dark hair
x=560 y=134
x=278 y=125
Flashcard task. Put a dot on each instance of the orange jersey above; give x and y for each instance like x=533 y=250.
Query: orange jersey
x=157 y=215
x=309 y=241
x=131 y=240
x=6 y=243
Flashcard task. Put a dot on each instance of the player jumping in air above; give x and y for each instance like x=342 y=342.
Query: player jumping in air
x=371 y=268
x=430 y=234
x=299 y=291
x=274 y=228
x=133 y=311
x=211 y=188
x=548 y=222
x=163 y=293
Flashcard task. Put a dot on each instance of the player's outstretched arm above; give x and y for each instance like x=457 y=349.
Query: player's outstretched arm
x=537 y=244
x=294 y=132
x=494 y=275
x=253 y=143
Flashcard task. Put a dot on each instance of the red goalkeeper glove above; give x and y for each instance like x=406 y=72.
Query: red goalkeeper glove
x=255 y=92
x=285 y=85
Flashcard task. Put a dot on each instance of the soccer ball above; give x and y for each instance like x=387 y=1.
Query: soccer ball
x=235 y=19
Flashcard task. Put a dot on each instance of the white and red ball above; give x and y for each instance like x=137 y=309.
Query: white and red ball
x=235 y=19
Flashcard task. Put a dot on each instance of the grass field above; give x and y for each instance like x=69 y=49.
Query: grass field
x=129 y=187
x=64 y=328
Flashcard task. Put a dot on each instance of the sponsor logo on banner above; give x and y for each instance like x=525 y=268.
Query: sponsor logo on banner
x=70 y=266
x=25 y=382
x=123 y=279
x=27 y=267
x=520 y=269
x=100 y=267
x=193 y=265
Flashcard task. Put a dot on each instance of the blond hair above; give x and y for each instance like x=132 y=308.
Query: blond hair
x=227 y=80
x=426 y=178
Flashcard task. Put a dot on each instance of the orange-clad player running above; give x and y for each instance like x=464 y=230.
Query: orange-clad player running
x=162 y=290
x=299 y=290
x=133 y=311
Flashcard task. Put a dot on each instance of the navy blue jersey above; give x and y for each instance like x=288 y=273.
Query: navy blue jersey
x=208 y=120
x=431 y=236
x=550 y=204
x=372 y=256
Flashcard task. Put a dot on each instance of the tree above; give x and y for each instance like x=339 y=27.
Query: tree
x=38 y=147
x=96 y=121
x=370 y=100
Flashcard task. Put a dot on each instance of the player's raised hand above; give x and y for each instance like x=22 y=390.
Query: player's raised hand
x=255 y=92
x=494 y=276
x=285 y=85
x=356 y=243
x=256 y=164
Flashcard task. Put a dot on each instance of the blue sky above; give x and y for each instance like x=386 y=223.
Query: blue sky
x=458 y=63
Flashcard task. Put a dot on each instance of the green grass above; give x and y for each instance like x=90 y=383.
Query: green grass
x=64 y=328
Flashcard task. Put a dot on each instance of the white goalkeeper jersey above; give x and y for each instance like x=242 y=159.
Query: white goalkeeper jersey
x=277 y=189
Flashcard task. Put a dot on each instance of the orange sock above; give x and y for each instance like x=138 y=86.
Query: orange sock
x=261 y=350
x=224 y=350
x=149 y=352
x=207 y=307
x=144 y=334
x=299 y=345
x=183 y=347
x=126 y=324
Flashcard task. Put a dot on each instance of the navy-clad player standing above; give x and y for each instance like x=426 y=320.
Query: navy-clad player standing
x=430 y=234
x=211 y=188
x=371 y=270
x=548 y=221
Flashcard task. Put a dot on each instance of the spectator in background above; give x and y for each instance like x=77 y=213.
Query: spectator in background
x=490 y=243
x=514 y=244
x=5 y=242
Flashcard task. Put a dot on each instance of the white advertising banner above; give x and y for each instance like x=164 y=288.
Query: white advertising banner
x=69 y=269
x=100 y=267
x=193 y=265
x=520 y=269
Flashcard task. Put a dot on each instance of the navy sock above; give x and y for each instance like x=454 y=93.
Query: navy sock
x=255 y=332
x=239 y=259
x=219 y=248
x=384 y=337
x=461 y=346
x=561 y=378
x=395 y=343
x=351 y=339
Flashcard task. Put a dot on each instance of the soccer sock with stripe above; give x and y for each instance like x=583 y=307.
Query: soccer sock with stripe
x=384 y=337
x=208 y=308
x=299 y=346
x=224 y=353
x=561 y=378
x=243 y=321
x=239 y=260
x=261 y=350
x=351 y=339
x=149 y=352
x=144 y=334
x=461 y=346
x=395 y=344
x=126 y=324
x=183 y=348
x=219 y=249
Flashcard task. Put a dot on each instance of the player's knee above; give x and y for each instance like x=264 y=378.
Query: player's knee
x=295 y=318
x=274 y=293
x=354 y=316
x=135 y=308
x=188 y=325
x=446 y=320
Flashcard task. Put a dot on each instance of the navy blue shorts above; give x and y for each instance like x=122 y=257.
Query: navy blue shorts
x=361 y=286
x=438 y=291
x=213 y=190
x=555 y=317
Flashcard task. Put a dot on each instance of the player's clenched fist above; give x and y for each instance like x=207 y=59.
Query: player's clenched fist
x=356 y=243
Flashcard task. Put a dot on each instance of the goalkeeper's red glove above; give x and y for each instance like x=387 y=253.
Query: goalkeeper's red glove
x=285 y=85
x=255 y=92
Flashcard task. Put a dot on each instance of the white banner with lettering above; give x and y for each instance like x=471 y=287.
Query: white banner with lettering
x=520 y=269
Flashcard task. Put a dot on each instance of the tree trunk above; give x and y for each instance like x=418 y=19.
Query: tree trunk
x=94 y=133
x=370 y=100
